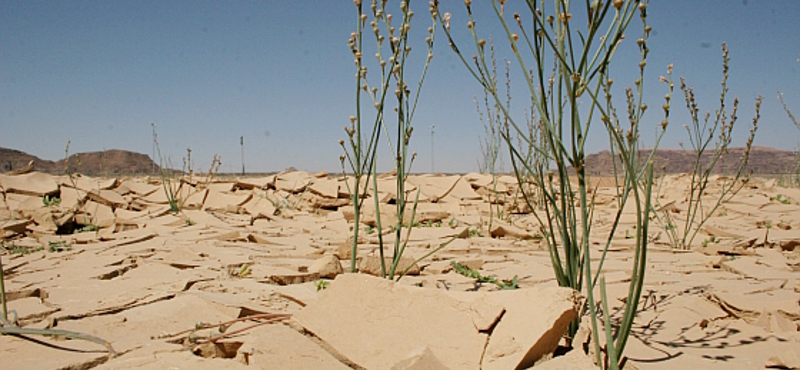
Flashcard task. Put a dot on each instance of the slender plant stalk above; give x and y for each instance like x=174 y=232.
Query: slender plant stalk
x=10 y=328
x=710 y=141
x=361 y=150
x=173 y=187
x=490 y=146
x=3 y=291
x=613 y=357
x=568 y=102
x=794 y=177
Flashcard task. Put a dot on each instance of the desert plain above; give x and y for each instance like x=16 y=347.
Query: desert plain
x=254 y=273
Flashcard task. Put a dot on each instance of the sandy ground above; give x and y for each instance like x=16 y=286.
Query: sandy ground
x=156 y=285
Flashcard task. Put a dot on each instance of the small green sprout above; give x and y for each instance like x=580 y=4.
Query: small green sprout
x=321 y=284
x=86 y=229
x=470 y=273
x=240 y=272
x=51 y=201
x=474 y=232
x=58 y=246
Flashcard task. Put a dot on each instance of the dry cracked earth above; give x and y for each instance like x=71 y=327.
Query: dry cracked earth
x=251 y=274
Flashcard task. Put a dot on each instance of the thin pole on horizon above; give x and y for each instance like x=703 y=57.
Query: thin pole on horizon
x=154 y=146
x=432 y=155
x=241 y=141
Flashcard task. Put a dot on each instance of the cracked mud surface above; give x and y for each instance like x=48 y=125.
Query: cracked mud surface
x=154 y=284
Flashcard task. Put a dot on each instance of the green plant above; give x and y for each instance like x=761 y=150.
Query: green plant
x=491 y=161
x=241 y=271
x=546 y=154
x=58 y=246
x=321 y=284
x=173 y=182
x=51 y=201
x=282 y=203
x=71 y=175
x=780 y=199
x=789 y=112
x=361 y=148
x=702 y=133
x=13 y=248
x=509 y=284
x=430 y=224
x=87 y=228
x=9 y=327
x=711 y=239
x=791 y=179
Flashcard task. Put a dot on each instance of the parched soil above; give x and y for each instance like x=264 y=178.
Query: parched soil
x=251 y=274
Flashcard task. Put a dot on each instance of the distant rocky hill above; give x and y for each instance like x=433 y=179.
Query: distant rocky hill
x=763 y=161
x=110 y=162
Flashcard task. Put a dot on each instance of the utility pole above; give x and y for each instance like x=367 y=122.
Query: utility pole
x=432 y=154
x=154 y=147
x=241 y=141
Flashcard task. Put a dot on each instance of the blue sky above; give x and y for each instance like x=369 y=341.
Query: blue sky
x=279 y=73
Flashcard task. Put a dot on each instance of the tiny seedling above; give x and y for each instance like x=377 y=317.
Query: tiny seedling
x=470 y=273
x=58 y=246
x=709 y=240
x=321 y=284
x=51 y=201
x=242 y=271
x=86 y=229
x=432 y=224
x=780 y=199
x=12 y=248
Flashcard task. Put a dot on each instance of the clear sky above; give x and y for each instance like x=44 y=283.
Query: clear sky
x=280 y=74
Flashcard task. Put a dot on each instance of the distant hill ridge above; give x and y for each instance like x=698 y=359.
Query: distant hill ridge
x=112 y=162
x=763 y=161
